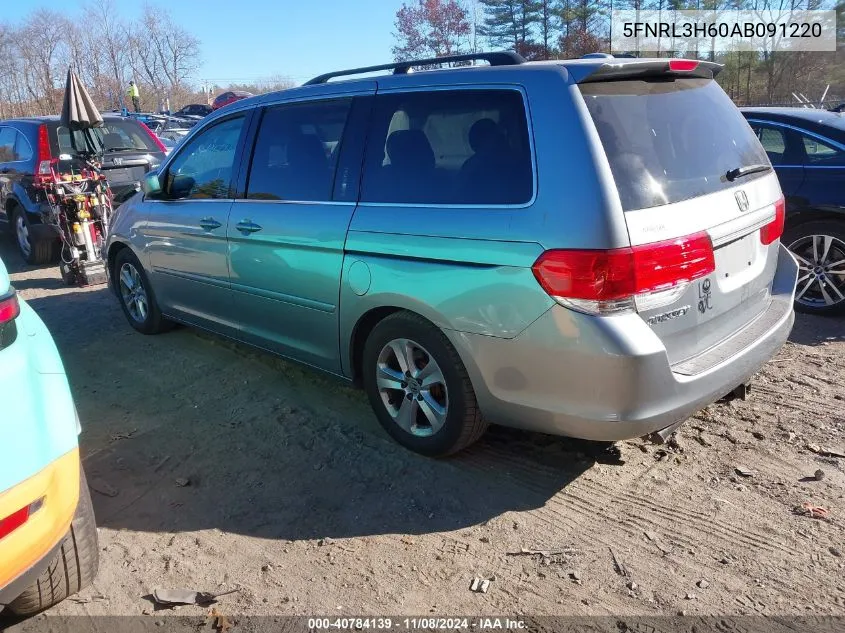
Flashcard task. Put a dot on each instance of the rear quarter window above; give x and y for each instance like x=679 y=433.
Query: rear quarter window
x=449 y=147
x=669 y=140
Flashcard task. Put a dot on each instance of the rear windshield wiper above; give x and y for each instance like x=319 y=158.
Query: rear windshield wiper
x=747 y=170
x=123 y=149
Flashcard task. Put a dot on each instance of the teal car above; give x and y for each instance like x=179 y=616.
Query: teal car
x=48 y=537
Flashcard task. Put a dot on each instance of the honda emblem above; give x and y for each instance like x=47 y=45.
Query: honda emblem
x=119 y=161
x=741 y=200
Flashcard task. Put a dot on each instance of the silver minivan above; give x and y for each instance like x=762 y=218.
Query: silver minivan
x=584 y=247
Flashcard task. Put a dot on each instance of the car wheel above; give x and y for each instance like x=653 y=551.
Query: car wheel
x=419 y=388
x=819 y=248
x=74 y=566
x=35 y=252
x=136 y=295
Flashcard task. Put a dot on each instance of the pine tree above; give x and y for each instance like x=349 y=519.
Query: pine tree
x=510 y=23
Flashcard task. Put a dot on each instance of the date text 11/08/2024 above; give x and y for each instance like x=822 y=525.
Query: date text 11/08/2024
x=449 y=624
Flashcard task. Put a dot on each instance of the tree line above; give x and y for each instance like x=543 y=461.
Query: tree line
x=106 y=51
x=562 y=29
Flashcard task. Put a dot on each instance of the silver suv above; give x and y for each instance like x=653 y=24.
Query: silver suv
x=586 y=248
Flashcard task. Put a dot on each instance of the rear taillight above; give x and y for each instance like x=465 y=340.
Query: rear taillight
x=9 y=308
x=623 y=279
x=45 y=156
x=774 y=229
x=154 y=138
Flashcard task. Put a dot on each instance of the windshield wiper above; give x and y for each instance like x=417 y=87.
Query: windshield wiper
x=747 y=170
x=123 y=149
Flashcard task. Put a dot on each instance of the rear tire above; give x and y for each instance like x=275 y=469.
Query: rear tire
x=34 y=252
x=136 y=296
x=459 y=422
x=819 y=247
x=74 y=566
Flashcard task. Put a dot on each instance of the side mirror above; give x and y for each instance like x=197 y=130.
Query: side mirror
x=180 y=186
x=151 y=185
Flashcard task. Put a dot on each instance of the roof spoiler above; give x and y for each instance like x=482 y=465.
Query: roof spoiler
x=643 y=68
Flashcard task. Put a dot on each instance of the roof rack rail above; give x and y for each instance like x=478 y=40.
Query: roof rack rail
x=500 y=58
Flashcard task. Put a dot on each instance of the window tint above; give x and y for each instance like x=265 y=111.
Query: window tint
x=773 y=141
x=208 y=159
x=820 y=153
x=669 y=140
x=449 y=147
x=296 y=151
x=7 y=144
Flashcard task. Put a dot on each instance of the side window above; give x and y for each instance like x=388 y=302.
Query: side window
x=296 y=151
x=773 y=141
x=204 y=167
x=449 y=147
x=7 y=144
x=820 y=153
x=23 y=149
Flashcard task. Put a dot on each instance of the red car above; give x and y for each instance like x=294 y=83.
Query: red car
x=229 y=97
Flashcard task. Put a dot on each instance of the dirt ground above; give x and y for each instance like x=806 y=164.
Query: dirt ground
x=214 y=467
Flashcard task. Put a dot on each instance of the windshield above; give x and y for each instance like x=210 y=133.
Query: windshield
x=113 y=136
x=669 y=140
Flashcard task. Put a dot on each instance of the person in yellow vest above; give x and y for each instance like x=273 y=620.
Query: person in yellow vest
x=133 y=94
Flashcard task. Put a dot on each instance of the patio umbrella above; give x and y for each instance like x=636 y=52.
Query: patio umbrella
x=78 y=109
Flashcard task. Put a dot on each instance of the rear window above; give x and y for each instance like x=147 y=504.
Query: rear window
x=669 y=140
x=114 y=135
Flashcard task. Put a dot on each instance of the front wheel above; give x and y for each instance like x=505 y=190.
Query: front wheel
x=136 y=295
x=819 y=248
x=419 y=388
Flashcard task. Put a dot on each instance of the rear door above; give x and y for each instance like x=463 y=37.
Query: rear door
x=783 y=147
x=824 y=171
x=673 y=143
x=15 y=161
x=287 y=235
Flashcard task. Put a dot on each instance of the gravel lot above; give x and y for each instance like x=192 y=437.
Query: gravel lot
x=214 y=466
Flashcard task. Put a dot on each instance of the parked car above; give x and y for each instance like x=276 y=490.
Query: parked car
x=600 y=265
x=48 y=537
x=806 y=146
x=194 y=110
x=127 y=148
x=229 y=97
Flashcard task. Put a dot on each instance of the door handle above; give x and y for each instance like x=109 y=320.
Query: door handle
x=209 y=224
x=247 y=226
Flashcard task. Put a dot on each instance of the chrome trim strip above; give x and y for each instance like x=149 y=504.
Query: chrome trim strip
x=339 y=203
x=211 y=281
x=284 y=298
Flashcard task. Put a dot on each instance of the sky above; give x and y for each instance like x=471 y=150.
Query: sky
x=247 y=40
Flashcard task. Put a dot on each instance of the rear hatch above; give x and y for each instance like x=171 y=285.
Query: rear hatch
x=128 y=152
x=689 y=170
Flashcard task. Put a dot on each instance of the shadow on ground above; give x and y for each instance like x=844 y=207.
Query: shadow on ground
x=187 y=431
x=813 y=330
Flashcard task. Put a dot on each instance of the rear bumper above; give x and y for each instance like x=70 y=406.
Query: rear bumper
x=609 y=378
x=26 y=550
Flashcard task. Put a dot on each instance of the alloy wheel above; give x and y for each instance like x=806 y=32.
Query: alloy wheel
x=412 y=387
x=133 y=293
x=821 y=277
